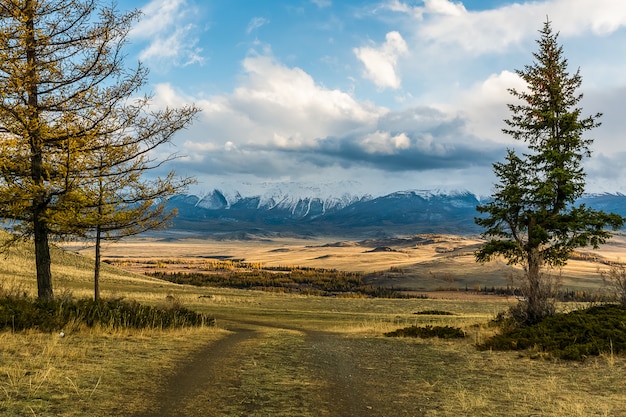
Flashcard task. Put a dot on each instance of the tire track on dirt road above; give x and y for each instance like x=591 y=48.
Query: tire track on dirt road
x=331 y=359
x=209 y=383
x=208 y=373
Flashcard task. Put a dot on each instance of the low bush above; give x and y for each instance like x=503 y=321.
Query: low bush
x=442 y=332
x=572 y=336
x=19 y=312
x=300 y=280
x=434 y=313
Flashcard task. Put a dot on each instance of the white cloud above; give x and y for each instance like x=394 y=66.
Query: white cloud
x=158 y=16
x=279 y=124
x=289 y=100
x=484 y=105
x=574 y=17
x=255 y=23
x=384 y=143
x=274 y=107
x=380 y=63
x=443 y=7
x=166 y=96
x=398 y=6
x=168 y=26
x=448 y=23
x=452 y=47
x=401 y=141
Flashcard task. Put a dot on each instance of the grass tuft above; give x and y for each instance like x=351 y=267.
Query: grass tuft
x=19 y=312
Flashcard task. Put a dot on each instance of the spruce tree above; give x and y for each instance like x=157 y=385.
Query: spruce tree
x=533 y=218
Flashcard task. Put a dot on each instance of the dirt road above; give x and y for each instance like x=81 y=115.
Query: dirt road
x=311 y=374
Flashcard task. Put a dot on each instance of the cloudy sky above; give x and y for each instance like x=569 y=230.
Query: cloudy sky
x=370 y=96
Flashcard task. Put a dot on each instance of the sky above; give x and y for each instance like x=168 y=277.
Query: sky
x=369 y=97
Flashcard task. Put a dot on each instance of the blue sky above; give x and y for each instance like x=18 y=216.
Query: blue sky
x=369 y=96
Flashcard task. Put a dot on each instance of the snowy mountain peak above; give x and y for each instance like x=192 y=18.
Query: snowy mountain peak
x=289 y=197
x=234 y=213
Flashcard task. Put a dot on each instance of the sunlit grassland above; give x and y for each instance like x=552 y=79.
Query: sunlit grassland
x=90 y=371
x=119 y=372
x=443 y=261
x=408 y=377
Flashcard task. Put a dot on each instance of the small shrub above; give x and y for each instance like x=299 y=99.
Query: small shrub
x=615 y=279
x=434 y=313
x=572 y=336
x=442 y=332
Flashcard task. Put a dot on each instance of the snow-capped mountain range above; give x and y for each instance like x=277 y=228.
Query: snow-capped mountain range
x=275 y=199
x=307 y=212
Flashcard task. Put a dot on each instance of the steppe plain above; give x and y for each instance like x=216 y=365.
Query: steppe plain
x=276 y=354
x=418 y=263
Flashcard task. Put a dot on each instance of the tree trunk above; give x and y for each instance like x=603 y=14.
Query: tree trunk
x=534 y=296
x=40 y=227
x=42 y=258
x=96 y=273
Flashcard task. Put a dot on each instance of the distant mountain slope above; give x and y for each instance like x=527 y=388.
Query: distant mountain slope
x=399 y=213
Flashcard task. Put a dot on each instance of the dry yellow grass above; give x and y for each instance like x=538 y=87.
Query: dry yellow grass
x=436 y=262
x=89 y=372
x=284 y=373
x=99 y=372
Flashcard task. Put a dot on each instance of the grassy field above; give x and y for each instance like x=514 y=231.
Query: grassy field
x=424 y=262
x=305 y=355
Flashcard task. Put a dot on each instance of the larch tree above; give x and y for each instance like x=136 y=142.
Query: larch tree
x=65 y=94
x=116 y=200
x=533 y=218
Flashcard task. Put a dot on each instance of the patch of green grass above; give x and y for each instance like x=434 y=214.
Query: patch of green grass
x=573 y=336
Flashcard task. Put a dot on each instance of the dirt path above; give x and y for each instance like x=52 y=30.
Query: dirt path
x=209 y=383
x=191 y=390
x=346 y=394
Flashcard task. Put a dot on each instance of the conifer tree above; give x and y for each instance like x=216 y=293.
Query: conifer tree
x=65 y=92
x=115 y=200
x=533 y=218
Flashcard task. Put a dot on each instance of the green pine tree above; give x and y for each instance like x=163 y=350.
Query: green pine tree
x=533 y=219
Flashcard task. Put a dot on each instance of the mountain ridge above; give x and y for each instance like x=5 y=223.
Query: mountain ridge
x=407 y=212
x=232 y=215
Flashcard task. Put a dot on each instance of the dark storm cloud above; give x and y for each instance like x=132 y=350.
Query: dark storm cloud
x=419 y=139
x=349 y=152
